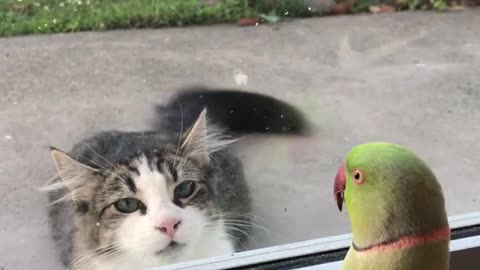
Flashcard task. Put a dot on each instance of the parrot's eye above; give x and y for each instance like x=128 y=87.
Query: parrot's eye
x=358 y=177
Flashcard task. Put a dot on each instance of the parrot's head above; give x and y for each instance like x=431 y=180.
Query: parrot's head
x=386 y=188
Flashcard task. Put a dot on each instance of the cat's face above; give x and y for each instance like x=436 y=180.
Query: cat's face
x=153 y=204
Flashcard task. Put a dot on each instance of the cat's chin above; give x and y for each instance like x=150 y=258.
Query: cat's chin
x=172 y=247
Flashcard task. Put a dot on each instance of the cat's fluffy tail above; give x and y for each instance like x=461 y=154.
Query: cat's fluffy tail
x=238 y=112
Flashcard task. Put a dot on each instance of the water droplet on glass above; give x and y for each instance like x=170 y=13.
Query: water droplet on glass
x=418 y=64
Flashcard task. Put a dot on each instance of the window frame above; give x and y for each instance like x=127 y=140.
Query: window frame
x=327 y=253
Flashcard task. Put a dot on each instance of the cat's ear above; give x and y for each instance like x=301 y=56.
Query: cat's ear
x=74 y=174
x=195 y=143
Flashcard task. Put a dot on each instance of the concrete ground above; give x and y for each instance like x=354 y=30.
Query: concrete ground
x=409 y=78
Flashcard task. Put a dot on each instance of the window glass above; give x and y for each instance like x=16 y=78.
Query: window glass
x=142 y=176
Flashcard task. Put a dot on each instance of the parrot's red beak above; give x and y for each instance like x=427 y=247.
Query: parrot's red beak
x=339 y=186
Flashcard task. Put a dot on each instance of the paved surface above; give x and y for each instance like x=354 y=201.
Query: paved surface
x=409 y=78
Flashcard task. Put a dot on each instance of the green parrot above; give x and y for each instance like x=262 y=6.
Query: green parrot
x=396 y=210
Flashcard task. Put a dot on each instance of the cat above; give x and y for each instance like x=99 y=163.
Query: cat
x=134 y=200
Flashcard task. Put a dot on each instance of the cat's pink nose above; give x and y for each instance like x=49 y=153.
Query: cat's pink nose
x=169 y=226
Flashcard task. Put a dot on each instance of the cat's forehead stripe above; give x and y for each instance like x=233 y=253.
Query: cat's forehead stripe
x=133 y=170
x=130 y=183
x=168 y=169
x=150 y=182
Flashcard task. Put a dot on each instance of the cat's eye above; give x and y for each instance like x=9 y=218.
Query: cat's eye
x=185 y=190
x=127 y=205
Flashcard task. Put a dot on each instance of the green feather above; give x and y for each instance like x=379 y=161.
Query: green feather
x=399 y=197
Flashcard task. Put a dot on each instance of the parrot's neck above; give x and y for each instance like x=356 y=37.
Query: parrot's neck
x=405 y=241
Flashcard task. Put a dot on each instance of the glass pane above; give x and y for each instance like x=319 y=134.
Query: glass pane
x=152 y=197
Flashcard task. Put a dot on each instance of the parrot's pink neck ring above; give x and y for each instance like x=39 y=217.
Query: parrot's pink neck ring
x=406 y=241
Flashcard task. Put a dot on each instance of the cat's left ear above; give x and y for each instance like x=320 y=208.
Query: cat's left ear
x=74 y=174
x=195 y=143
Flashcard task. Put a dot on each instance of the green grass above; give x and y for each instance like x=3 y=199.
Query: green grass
x=19 y=17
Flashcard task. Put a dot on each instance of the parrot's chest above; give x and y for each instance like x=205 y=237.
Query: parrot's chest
x=427 y=257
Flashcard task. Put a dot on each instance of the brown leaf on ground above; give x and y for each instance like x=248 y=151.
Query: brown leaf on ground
x=467 y=3
x=374 y=9
x=270 y=3
x=343 y=7
x=21 y=7
x=340 y=8
x=401 y=3
x=382 y=8
x=456 y=7
x=248 y=22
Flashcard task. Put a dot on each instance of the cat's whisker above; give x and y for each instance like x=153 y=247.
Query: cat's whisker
x=231 y=237
x=181 y=130
x=215 y=142
x=235 y=221
x=93 y=162
x=132 y=245
x=90 y=262
x=93 y=253
x=250 y=225
x=226 y=214
x=114 y=248
x=53 y=178
x=233 y=229
x=241 y=223
x=240 y=231
x=244 y=215
x=240 y=217
x=100 y=156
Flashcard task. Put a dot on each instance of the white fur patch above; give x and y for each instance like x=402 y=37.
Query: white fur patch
x=142 y=242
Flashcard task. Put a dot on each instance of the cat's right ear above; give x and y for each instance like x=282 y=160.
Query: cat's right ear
x=74 y=174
